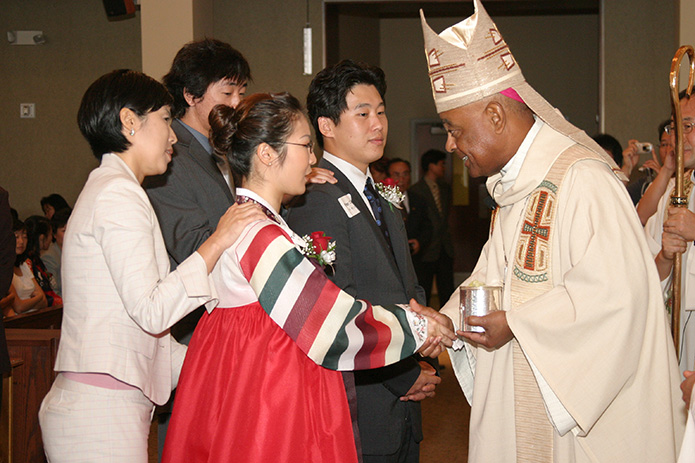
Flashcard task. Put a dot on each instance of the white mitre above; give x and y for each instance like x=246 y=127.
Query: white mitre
x=471 y=61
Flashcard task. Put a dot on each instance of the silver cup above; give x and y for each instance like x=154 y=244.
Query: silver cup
x=478 y=301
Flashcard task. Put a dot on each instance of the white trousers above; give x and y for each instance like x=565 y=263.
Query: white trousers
x=83 y=423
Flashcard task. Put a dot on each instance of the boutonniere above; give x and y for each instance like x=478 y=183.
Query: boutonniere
x=318 y=246
x=388 y=189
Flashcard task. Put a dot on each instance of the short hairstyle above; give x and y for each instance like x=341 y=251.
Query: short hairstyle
x=55 y=200
x=198 y=65
x=60 y=218
x=395 y=160
x=99 y=114
x=610 y=143
x=431 y=157
x=260 y=118
x=329 y=88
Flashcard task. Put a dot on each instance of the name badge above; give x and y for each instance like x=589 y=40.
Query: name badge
x=349 y=208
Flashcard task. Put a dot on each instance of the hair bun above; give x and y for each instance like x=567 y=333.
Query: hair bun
x=223 y=125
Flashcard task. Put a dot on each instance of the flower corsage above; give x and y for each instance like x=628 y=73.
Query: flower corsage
x=388 y=189
x=318 y=246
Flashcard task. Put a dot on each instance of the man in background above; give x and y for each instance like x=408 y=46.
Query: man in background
x=413 y=209
x=437 y=258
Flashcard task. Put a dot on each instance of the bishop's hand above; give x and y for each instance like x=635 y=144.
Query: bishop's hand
x=497 y=332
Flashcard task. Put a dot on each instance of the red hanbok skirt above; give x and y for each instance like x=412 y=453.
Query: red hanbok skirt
x=248 y=394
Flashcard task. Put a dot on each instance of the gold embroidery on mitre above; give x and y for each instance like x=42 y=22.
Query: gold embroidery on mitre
x=500 y=48
x=495 y=35
x=507 y=60
x=439 y=84
x=433 y=58
x=437 y=71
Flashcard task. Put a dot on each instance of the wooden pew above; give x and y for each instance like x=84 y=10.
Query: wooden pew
x=31 y=381
x=48 y=318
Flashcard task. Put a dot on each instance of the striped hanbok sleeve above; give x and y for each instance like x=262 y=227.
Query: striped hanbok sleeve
x=334 y=329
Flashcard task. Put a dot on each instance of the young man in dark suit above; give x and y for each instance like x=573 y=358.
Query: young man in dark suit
x=346 y=107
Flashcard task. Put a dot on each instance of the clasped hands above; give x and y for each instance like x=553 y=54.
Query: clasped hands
x=441 y=330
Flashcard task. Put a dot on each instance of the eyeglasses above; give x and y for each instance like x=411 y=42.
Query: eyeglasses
x=687 y=128
x=309 y=146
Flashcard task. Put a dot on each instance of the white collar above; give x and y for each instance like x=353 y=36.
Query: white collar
x=510 y=171
x=356 y=176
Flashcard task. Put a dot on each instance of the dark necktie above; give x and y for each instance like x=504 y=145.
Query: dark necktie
x=373 y=199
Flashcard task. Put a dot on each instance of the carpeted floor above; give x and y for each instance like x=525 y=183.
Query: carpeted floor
x=445 y=421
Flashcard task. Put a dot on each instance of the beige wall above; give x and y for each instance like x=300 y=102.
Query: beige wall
x=269 y=34
x=168 y=24
x=48 y=154
x=640 y=40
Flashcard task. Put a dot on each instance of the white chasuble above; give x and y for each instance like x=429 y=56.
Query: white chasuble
x=597 y=336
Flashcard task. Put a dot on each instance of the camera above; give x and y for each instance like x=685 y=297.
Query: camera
x=643 y=148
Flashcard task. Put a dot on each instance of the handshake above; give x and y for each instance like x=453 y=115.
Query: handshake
x=440 y=330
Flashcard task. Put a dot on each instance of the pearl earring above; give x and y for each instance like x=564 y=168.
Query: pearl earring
x=132 y=132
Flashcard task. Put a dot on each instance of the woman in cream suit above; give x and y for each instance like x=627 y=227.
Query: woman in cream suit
x=116 y=358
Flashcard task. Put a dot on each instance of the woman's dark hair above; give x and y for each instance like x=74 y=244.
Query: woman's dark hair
x=60 y=218
x=260 y=118
x=36 y=226
x=198 y=65
x=328 y=91
x=610 y=143
x=55 y=200
x=99 y=114
x=18 y=225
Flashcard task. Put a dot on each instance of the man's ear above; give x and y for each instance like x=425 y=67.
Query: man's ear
x=190 y=99
x=497 y=116
x=326 y=126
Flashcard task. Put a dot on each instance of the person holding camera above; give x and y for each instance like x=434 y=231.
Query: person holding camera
x=654 y=191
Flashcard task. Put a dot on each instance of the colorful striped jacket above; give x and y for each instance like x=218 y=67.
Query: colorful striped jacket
x=335 y=330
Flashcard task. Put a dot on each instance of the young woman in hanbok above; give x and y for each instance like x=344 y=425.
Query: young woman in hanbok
x=260 y=382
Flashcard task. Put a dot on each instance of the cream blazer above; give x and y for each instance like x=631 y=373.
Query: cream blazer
x=119 y=298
